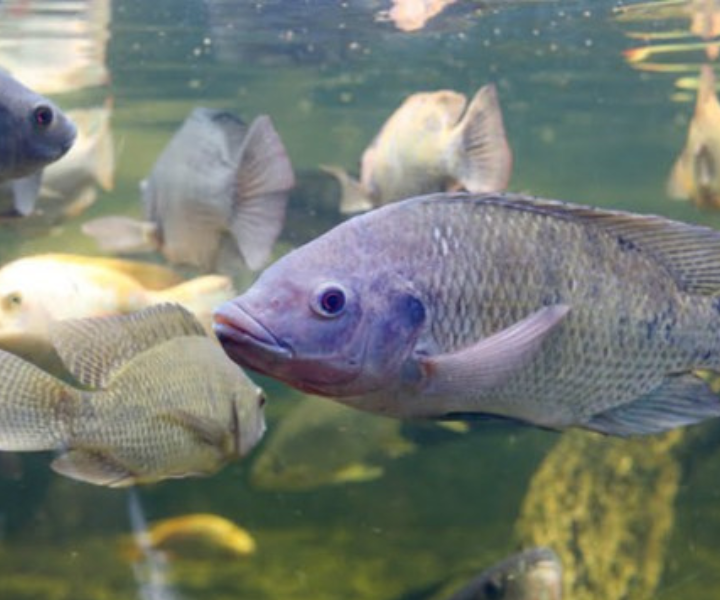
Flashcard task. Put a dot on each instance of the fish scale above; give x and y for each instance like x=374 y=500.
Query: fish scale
x=538 y=310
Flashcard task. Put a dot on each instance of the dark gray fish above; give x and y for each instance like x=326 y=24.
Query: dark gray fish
x=215 y=198
x=33 y=133
x=554 y=314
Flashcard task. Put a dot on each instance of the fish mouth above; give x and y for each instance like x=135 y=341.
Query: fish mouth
x=247 y=341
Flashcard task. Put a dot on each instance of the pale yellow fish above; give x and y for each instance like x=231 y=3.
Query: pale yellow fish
x=435 y=141
x=159 y=399
x=696 y=173
x=71 y=184
x=38 y=290
x=199 y=534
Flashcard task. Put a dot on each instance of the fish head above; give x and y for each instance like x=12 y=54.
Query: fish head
x=22 y=310
x=322 y=327
x=534 y=574
x=35 y=133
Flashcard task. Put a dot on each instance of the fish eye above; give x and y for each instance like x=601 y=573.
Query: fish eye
x=493 y=590
x=261 y=400
x=12 y=300
x=43 y=116
x=329 y=301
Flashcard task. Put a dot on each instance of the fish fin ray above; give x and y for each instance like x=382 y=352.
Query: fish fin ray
x=25 y=193
x=264 y=180
x=122 y=234
x=485 y=157
x=680 y=400
x=92 y=466
x=689 y=253
x=494 y=359
x=353 y=197
x=679 y=182
x=94 y=349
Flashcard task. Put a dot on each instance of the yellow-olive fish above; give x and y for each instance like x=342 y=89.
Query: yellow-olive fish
x=696 y=173
x=197 y=535
x=215 y=198
x=453 y=305
x=33 y=133
x=432 y=143
x=159 y=399
x=37 y=290
x=534 y=574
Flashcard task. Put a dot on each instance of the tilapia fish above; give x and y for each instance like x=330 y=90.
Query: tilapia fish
x=454 y=305
x=432 y=143
x=534 y=574
x=696 y=173
x=215 y=198
x=159 y=399
x=33 y=133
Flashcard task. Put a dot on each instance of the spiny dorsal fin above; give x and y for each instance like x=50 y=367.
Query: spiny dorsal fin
x=689 y=253
x=94 y=349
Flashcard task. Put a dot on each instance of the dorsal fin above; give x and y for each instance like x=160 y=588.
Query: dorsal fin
x=94 y=349
x=689 y=253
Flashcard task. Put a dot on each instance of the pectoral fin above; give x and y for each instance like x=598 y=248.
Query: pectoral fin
x=680 y=400
x=92 y=466
x=493 y=360
x=122 y=234
x=353 y=198
x=207 y=431
x=25 y=192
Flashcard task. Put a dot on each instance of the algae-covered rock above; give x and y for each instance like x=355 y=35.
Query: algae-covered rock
x=606 y=506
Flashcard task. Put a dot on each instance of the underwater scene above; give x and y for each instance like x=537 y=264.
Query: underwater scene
x=478 y=394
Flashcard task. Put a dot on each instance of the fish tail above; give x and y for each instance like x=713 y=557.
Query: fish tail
x=482 y=155
x=264 y=179
x=200 y=296
x=353 y=197
x=35 y=407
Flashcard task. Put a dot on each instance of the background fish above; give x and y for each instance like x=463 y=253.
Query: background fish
x=37 y=290
x=215 y=198
x=197 y=535
x=696 y=173
x=33 y=133
x=452 y=305
x=432 y=143
x=160 y=399
x=296 y=458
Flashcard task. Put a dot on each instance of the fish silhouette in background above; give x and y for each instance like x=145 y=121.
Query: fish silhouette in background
x=458 y=306
x=196 y=535
x=296 y=457
x=36 y=291
x=433 y=142
x=158 y=399
x=696 y=173
x=34 y=132
x=215 y=198
x=413 y=15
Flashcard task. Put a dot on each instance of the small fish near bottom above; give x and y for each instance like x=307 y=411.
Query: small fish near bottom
x=156 y=398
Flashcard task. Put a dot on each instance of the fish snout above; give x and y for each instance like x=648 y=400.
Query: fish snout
x=245 y=340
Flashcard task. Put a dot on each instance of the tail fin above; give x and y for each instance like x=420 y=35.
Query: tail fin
x=483 y=160
x=122 y=234
x=200 y=296
x=264 y=180
x=35 y=407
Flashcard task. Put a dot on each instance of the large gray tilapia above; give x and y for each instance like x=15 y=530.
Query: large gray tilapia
x=158 y=399
x=550 y=313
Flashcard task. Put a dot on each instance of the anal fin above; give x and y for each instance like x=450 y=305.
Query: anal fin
x=680 y=400
x=92 y=466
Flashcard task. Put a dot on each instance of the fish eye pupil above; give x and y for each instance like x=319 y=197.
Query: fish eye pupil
x=332 y=301
x=12 y=300
x=43 y=116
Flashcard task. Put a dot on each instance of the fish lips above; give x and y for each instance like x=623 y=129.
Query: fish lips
x=246 y=341
x=250 y=344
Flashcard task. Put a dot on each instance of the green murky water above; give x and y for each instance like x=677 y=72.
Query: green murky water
x=584 y=126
